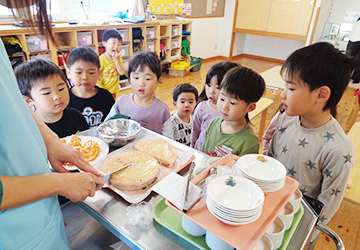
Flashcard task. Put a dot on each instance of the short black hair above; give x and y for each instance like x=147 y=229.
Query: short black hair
x=142 y=59
x=86 y=54
x=244 y=84
x=111 y=33
x=320 y=64
x=28 y=74
x=219 y=70
x=184 y=88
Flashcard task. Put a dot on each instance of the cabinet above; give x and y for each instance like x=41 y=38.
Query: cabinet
x=71 y=36
x=172 y=34
x=280 y=18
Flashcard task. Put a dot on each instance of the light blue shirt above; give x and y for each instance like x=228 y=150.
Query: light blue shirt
x=38 y=225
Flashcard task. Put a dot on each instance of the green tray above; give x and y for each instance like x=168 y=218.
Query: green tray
x=170 y=219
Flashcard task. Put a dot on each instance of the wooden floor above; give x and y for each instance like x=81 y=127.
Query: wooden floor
x=346 y=222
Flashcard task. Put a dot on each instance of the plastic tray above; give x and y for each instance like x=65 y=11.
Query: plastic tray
x=171 y=220
x=244 y=236
x=290 y=232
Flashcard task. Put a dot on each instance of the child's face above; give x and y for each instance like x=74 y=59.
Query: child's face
x=83 y=75
x=143 y=83
x=50 y=96
x=212 y=90
x=185 y=104
x=112 y=46
x=297 y=98
x=232 y=108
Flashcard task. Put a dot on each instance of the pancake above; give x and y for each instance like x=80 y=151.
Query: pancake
x=135 y=177
x=162 y=150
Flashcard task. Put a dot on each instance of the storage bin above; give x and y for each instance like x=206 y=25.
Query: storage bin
x=36 y=43
x=197 y=61
x=124 y=33
x=84 y=38
x=125 y=50
x=175 y=30
x=175 y=43
x=41 y=56
x=150 y=46
x=179 y=72
x=150 y=33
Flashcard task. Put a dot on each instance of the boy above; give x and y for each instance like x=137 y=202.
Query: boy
x=143 y=106
x=308 y=140
x=178 y=127
x=111 y=62
x=44 y=88
x=83 y=70
x=230 y=133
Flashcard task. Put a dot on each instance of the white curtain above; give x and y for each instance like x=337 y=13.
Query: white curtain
x=139 y=9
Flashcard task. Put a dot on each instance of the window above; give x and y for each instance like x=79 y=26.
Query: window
x=112 y=7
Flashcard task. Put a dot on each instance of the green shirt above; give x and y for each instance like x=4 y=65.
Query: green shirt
x=240 y=143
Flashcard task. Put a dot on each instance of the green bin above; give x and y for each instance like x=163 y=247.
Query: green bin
x=197 y=62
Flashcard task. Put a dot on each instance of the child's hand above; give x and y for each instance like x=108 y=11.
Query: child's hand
x=116 y=54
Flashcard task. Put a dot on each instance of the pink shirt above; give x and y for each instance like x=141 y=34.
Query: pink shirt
x=203 y=114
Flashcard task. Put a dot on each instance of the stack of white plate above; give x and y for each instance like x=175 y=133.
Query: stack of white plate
x=234 y=200
x=265 y=171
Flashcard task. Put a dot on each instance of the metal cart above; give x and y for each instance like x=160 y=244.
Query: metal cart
x=109 y=209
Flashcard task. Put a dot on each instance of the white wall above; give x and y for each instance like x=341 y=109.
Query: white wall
x=212 y=36
x=209 y=32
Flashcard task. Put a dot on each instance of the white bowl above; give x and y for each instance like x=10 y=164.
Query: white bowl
x=192 y=228
x=242 y=195
x=264 y=244
x=215 y=243
x=261 y=167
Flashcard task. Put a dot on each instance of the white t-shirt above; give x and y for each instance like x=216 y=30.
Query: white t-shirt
x=177 y=129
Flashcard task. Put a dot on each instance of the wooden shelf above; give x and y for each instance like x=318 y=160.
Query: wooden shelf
x=67 y=37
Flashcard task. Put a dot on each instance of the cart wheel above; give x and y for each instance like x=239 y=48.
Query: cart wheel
x=328 y=231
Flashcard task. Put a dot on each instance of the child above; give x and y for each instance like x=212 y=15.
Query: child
x=142 y=106
x=206 y=109
x=178 y=127
x=111 y=62
x=44 y=88
x=83 y=70
x=230 y=133
x=308 y=140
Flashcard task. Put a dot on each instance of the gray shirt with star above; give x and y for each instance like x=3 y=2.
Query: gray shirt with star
x=320 y=159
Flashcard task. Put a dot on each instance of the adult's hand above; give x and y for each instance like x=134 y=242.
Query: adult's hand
x=60 y=153
x=78 y=186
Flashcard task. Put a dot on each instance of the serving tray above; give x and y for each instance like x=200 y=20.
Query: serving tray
x=242 y=237
x=183 y=159
x=172 y=220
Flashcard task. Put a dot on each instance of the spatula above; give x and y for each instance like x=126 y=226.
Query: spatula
x=107 y=175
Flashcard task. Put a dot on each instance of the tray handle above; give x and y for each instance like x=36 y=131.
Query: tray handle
x=328 y=231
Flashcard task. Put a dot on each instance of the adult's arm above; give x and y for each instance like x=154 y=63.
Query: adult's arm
x=21 y=190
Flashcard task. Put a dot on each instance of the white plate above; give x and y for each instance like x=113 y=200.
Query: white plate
x=233 y=223
x=244 y=195
x=103 y=151
x=266 y=169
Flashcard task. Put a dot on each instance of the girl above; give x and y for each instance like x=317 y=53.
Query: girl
x=206 y=109
x=142 y=106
